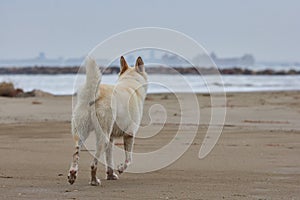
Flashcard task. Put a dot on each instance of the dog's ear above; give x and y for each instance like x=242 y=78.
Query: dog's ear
x=124 y=65
x=139 y=65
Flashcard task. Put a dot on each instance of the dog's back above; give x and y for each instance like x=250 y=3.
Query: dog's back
x=124 y=100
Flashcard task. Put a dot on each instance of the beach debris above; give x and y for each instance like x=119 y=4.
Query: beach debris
x=3 y=176
x=68 y=190
x=149 y=98
x=7 y=89
x=36 y=102
x=40 y=93
x=266 y=122
x=164 y=97
x=273 y=145
x=35 y=93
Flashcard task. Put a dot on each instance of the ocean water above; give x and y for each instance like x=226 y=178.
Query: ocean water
x=68 y=84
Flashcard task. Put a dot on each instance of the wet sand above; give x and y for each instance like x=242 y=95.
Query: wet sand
x=256 y=157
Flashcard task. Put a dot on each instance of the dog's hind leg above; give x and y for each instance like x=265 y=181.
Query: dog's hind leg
x=94 y=180
x=100 y=147
x=128 y=146
x=102 y=143
x=79 y=136
x=74 y=165
x=110 y=175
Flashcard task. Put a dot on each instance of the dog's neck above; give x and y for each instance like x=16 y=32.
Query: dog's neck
x=142 y=84
x=130 y=78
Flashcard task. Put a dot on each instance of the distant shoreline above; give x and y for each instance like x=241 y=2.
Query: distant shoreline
x=52 y=70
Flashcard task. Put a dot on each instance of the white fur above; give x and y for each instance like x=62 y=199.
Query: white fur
x=111 y=111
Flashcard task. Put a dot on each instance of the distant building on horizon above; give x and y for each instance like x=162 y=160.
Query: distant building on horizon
x=149 y=56
x=245 y=60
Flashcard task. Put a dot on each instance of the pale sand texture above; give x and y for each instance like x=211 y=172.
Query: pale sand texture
x=256 y=157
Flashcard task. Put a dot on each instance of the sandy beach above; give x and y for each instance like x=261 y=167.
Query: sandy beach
x=256 y=157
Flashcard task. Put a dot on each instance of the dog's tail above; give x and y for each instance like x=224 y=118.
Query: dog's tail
x=89 y=93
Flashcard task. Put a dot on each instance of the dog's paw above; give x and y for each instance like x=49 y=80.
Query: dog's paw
x=95 y=182
x=121 y=168
x=112 y=176
x=72 y=176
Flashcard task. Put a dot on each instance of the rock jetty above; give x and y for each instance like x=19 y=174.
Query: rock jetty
x=150 y=70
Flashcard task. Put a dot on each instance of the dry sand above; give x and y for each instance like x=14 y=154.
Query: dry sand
x=256 y=157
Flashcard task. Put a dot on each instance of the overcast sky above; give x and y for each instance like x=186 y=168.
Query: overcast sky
x=268 y=29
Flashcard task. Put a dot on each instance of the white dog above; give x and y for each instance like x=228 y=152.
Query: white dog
x=111 y=111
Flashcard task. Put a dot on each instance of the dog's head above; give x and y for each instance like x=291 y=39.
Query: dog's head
x=137 y=72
